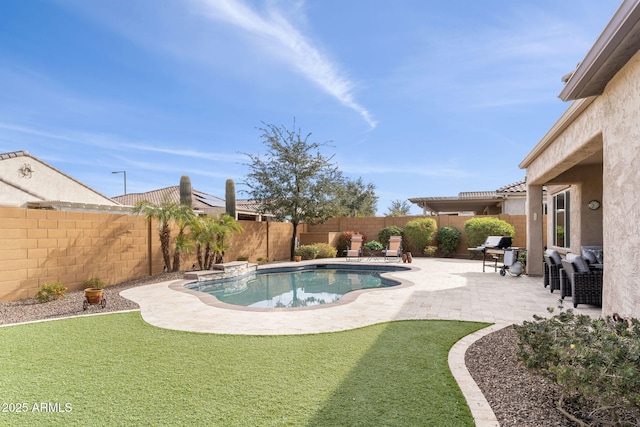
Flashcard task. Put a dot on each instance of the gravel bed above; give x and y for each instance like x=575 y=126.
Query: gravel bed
x=518 y=397
x=29 y=309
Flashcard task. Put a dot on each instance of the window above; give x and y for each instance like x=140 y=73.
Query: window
x=561 y=219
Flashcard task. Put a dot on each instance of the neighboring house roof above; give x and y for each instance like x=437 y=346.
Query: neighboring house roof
x=477 y=202
x=28 y=181
x=203 y=202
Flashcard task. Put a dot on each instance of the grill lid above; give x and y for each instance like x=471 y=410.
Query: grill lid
x=500 y=242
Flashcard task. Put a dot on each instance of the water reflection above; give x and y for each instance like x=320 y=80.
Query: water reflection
x=292 y=289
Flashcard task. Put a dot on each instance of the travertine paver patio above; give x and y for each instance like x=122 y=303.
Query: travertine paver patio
x=450 y=289
x=447 y=289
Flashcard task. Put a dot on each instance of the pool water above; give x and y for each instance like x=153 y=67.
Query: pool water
x=299 y=288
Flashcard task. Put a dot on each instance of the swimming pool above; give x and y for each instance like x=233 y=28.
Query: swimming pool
x=305 y=286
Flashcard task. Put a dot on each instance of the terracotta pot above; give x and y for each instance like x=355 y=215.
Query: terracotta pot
x=93 y=295
x=297 y=258
x=409 y=257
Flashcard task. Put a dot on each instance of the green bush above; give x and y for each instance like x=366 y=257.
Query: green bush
x=478 y=229
x=307 y=251
x=325 y=250
x=596 y=362
x=385 y=233
x=94 y=282
x=344 y=241
x=419 y=233
x=50 y=292
x=448 y=238
x=374 y=245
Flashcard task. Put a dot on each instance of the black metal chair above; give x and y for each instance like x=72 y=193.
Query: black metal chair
x=586 y=286
x=552 y=273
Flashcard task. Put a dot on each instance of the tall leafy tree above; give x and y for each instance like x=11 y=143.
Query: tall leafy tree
x=399 y=208
x=293 y=181
x=357 y=199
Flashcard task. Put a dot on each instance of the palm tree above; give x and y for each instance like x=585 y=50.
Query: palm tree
x=225 y=226
x=184 y=216
x=164 y=214
x=203 y=235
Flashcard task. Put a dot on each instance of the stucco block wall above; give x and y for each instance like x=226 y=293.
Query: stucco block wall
x=44 y=246
x=372 y=226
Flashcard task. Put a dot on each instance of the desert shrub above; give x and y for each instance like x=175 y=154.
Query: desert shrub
x=50 y=292
x=419 y=233
x=596 y=362
x=344 y=241
x=385 y=233
x=448 y=238
x=307 y=251
x=93 y=282
x=430 y=250
x=374 y=245
x=478 y=229
x=325 y=250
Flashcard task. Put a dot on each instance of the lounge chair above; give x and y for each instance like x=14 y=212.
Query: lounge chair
x=355 y=247
x=586 y=284
x=394 y=249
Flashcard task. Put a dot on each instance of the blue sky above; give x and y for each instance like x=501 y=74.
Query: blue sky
x=422 y=98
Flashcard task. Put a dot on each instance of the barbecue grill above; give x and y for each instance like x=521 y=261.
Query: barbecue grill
x=497 y=246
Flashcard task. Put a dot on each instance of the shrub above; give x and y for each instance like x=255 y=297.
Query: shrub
x=478 y=229
x=385 y=233
x=242 y=258
x=325 y=250
x=596 y=362
x=419 y=233
x=448 y=238
x=307 y=251
x=374 y=245
x=50 y=292
x=344 y=241
x=94 y=282
x=430 y=250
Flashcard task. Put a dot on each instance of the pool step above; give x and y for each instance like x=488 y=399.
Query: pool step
x=221 y=271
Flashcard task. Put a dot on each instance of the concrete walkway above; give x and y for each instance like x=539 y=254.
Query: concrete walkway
x=434 y=288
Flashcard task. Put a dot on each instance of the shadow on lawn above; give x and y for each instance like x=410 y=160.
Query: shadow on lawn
x=403 y=379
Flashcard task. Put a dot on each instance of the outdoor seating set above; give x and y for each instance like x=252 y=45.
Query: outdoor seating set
x=393 y=251
x=577 y=276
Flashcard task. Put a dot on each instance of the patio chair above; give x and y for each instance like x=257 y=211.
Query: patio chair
x=586 y=286
x=355 y=247
x=553 y=265
x=394 y=249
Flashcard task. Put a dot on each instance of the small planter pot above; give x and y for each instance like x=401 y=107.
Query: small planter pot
x=93 y=295
x=297 y=258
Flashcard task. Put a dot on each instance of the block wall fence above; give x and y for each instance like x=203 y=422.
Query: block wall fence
x=44 y=246
x=330 y=231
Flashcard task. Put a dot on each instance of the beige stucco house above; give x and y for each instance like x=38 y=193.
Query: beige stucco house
x=28 y=182
x=588 y=162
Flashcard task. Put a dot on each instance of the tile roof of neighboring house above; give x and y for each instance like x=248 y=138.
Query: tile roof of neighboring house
x=516 y=187
x=201 y=201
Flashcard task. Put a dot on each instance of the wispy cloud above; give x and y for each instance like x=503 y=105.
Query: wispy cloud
x=112 y=143
x=289 y=44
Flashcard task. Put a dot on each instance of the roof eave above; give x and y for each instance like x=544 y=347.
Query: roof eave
x=611 y=51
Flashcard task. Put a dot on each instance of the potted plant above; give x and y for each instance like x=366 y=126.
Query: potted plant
x=93 y=290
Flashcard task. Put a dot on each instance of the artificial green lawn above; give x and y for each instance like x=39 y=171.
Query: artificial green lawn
x=117 y=370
